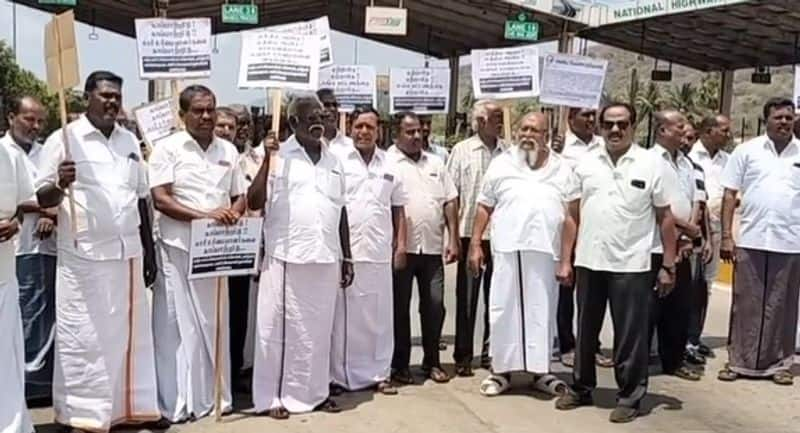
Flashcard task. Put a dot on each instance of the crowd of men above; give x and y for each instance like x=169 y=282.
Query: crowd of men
x=536 y=224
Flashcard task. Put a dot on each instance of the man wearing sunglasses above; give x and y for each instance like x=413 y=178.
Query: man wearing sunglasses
x=330 y=118
x=618 y=187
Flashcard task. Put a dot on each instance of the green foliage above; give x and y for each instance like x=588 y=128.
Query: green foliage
x=15 y=81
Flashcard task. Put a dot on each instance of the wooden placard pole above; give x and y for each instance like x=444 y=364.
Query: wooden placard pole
x=507 y=123
x=343 y=123
x=276 y=96
x=176 y=95
x=218 y=354
x=565 y=47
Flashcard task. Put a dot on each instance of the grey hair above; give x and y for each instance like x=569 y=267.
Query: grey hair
x=241 y=111
x=480 y=111
x=664 y=117
x=301 y=101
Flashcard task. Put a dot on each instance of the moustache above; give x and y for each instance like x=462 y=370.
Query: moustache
x=316 y=126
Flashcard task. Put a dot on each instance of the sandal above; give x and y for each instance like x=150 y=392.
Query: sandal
x=686 y=373
x=278 y=413
x=464 y=371
x=727 y=375
x=386 y=388
x=403 y=377
x=603 y=361
x=550 y=384
x=783 y=377
x=328 y=406
x=494 y=385
x=438 y=375
x=336 y=390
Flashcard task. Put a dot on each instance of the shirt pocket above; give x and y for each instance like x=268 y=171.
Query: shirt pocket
x=220 y=176
x=382 y=187
x=329 y=183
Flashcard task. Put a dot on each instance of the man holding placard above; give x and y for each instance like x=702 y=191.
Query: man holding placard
x=104 y=365
x=307 y=260
x=363 y=332
x=466 y=165
x=193 y=175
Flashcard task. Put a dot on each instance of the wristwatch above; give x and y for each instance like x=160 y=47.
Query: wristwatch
x=669 y=269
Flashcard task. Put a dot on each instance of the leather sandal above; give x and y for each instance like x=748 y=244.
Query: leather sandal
x=278 y=413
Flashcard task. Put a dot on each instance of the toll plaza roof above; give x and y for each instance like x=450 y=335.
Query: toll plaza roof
x=439 y=28
x=702 y=34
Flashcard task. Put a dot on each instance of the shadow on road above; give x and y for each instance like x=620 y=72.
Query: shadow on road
x=606 y=398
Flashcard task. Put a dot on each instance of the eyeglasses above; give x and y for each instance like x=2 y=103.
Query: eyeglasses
x=620 y=124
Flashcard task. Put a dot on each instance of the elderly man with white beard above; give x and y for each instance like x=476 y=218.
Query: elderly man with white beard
x=523 y=194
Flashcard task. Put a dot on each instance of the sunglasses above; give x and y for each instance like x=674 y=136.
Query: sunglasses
x=620 y=124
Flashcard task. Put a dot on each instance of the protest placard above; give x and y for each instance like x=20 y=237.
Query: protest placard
x=156 y=120
x=572 y=81
x=354 y=85
x=218 y=250
x=173 y=48
x=505 y=73
x=279 y=60
x=319 y=27
x=421 y=90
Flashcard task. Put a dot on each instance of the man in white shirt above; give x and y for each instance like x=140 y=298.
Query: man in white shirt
x=578 y=141
x=433 y=204
x=425 y=122
x=104 y=363
x=333 y=135
x=193 y=175
x=36 y=253
x=307 y=260
x=707 y=152
x=466 y=166
x=670 y=313
x=766 y=282
x=363 y=330
x=523 y=193
x=15 y=188
x=225 y=125
x=617 y=190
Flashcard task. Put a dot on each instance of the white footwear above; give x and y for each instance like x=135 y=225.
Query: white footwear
x=494 y=385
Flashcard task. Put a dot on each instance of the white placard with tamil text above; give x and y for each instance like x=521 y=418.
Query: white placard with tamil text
x=156 y=120
x=319 y=27
x=279 y=60
x=573 y=81
x=174 y=48
x=421 y=90
x=354 y=85
x=505 y=73
x=218 y=250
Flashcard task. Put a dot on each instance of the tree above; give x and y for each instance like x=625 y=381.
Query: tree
x=682 y=98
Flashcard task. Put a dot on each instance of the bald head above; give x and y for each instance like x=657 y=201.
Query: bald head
x=670 y=126
x=533 y=130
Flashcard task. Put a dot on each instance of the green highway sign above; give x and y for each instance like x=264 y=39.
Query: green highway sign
x=59 y=2
x=522 y=28
x=239 y=13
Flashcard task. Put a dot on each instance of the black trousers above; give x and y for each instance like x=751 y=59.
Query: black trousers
x=629 y=296
x=468 y=288
x=428 y=269
x=698 y=301
x=564 y=318
x=238 y=299
x=670 y=315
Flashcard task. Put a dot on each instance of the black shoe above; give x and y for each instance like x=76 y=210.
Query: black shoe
x=571 y=400
x=623 y=414
x=693 y=356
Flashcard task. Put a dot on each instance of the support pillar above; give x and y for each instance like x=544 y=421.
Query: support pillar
x=452 y=108
x=726 y=92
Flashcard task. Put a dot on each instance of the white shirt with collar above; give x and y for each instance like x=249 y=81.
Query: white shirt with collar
x=340 y=142
x=679 y=183
x=467 y=164
x=372 y=190
x=110 y=179
x=28 y=242
x=304 y=206
x=528 y=205
x=16 y=187
x=575 y=148
x=430 y=187
x=617 y=209
x=712 y=169
x=769 y=185
x=203 y=180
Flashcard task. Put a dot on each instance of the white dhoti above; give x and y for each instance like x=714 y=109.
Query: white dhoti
x=14 y=416
x=522 y=306
x=296 y=302
x=363 y=330
x=104 y=365
x=185 y=326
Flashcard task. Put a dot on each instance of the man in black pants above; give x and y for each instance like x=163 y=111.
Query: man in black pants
x=433 y=203
x=618 y=188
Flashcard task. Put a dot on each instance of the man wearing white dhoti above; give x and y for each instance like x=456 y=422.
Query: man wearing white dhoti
x=363 y=340
x=193 y=175
x=523 y=193
x=15 y=188
x=104 y=365
x=306 y=261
